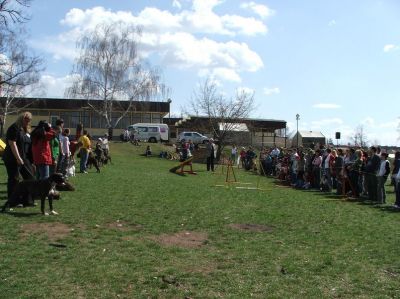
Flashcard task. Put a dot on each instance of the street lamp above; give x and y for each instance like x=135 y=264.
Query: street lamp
x=169 y=101
x=169 y=116
x=297 y=123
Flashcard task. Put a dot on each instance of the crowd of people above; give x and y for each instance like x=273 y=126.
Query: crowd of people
x=38 y=153
x=351 y=172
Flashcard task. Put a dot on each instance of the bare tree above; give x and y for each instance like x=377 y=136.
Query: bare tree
x=109 y=70
x=223 y=113
x=360 y=137
x=19 y=69
x=12 y=10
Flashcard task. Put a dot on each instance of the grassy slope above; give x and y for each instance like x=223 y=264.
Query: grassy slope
x=320 y=246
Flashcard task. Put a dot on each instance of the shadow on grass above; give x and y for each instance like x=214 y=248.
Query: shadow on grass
x=21 y=214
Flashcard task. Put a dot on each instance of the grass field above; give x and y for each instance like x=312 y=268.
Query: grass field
x=138 y=231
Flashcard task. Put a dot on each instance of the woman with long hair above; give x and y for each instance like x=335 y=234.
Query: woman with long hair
x=18 y=152
x=41 y=149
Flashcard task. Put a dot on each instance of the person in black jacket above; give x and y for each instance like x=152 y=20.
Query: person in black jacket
x=18 y=152
x=371 y=171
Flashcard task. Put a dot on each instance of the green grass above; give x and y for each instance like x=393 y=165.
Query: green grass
x=319 y=246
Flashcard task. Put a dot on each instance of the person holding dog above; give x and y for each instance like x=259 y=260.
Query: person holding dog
x=17 y=155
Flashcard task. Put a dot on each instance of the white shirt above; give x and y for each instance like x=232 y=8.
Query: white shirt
x=327 y=159
x=382 y=168
x=234 y=151
x=275 y=152
x=104 y=143
x=65 y=145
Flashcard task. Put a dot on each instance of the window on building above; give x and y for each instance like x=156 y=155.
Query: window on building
x=156 y=118
x=97 y=121
x=136 y=118
x=74 y=117
x=146 y=117
x=66 y=117
x=85 y=119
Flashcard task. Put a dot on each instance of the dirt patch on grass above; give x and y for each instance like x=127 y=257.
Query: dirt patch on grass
x=248 y=227
x=184 y=239
x=123 y=226
x=53 y=230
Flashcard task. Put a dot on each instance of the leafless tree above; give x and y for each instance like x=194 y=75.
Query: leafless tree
x=12 y=11
x=19 y=69
x=109 y=70
x=360 y=137
x=223 y=113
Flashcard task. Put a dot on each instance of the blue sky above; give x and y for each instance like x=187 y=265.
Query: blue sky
x=335 y=62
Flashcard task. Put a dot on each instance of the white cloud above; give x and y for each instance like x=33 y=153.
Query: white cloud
x=55 y=87
x=262 y=10
x=326 y=106
x=390 y=48
x=184 y=40
x=217 y=74
x=271 y=91
x=332 y=23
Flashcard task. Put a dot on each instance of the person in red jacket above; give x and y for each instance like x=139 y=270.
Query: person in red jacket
x=41 y=149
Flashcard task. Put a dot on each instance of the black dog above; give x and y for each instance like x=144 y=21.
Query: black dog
x=28 y=190
x=93 y=161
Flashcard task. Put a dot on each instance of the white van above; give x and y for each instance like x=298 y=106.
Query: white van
x=149 y=132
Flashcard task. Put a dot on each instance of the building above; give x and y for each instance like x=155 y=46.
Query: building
x=308 y=139
x=248 y=131
x=75 y=111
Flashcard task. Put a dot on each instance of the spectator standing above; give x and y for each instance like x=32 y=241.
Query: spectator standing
x=210 y=154
x=327 y=165
x=56 y=151
x=371 y=170
x=60 y=123
x=396 y=167
x=242 y=157
x=17 y=155
x=339 y=164
x=41 y=149
x=65 y=145
x=84 y=143
x=234 y=152
x=354 y=171
x=383 y=173
x=397 y=182
x=105 y=145
x=316 y=164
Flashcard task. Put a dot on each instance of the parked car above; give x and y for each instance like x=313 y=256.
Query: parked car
x=194 y=136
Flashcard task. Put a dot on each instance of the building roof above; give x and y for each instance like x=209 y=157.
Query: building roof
x=311 y=134
x=73 y=104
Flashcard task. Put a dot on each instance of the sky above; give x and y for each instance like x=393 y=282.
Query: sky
x=336 y=63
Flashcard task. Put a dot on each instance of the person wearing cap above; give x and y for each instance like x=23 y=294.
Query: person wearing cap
x=210 y=154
